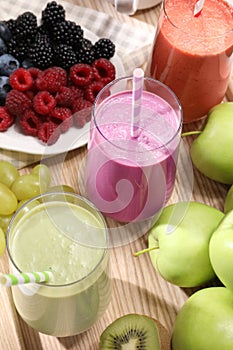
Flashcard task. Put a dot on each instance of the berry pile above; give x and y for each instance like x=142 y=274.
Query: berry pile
x=49 y=71
x=55 y=41
x=46 y=103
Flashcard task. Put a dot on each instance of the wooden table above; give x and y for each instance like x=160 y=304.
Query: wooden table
x=137 y=288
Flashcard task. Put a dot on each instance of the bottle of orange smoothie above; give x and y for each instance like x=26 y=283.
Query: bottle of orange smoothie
x=193 y=54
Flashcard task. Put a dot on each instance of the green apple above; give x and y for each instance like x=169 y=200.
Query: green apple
x=228 y=204
x=221 y=251
x=205 y=322
x=179 y=243
x=212 y=151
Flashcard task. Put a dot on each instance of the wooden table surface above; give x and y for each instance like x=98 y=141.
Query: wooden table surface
x=137 y=288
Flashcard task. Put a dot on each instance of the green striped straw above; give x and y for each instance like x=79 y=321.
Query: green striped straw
x=10 y=279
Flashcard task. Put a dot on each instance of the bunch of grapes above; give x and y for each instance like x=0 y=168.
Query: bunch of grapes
x=17 y=189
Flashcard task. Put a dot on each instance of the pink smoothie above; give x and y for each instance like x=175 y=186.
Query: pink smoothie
x=130 y=179
x=192 y=55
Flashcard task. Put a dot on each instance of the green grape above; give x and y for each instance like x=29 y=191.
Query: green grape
x=59 y=188
x=43 y=172
x=4 y=222
x=8 y=200
x=26 y=207
x=8 y=173
x=2 y=242
x=29 y=205
x=28 y=186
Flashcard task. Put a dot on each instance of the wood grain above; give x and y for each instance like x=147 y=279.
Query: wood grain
x=137 y=288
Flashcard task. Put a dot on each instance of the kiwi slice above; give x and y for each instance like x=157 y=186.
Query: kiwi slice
x=131 y=332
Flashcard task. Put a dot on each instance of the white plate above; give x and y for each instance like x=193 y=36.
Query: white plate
x=74 y=138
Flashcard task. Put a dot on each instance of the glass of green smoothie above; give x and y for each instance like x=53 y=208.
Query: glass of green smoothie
x=65 y=234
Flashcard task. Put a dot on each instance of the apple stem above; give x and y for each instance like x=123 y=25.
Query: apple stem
x=147 y=250
x=188 y=133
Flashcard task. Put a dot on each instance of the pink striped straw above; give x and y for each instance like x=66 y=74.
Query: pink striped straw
x=198 y=7
x=138 y=77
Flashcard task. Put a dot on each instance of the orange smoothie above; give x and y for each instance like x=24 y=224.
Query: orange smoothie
x=193 y=55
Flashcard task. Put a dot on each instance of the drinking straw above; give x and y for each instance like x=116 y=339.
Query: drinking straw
x=138 y=77
x=198 y=7
x=7 y=280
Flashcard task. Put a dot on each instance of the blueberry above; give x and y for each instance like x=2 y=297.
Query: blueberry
x=4 y=89
x=8 y=64
x=27 y=64
x=3 y=48
x=5 y=32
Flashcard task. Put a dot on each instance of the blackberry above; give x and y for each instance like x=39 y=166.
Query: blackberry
x=41 y=52
x=87 y=44
x=104 y=48
x=11 y=24
x=18 y=48
x=85 y=55
x=64 y=56
x=68 y=32
x=26 y=26
x=43 y=30
x=52 y=14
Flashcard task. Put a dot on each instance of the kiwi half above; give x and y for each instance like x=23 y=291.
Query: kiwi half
x=131 y=332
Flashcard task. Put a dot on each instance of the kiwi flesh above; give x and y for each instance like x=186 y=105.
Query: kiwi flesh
x=131 y=332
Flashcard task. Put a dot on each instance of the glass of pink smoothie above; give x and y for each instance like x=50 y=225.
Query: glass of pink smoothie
x=193 y=54
x=128 y=178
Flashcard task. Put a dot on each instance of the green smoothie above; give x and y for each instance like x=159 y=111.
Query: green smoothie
x=69 y=239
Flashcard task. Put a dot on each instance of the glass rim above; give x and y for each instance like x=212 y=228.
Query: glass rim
x=89 y=203
x=191 y=35
x=130 y=77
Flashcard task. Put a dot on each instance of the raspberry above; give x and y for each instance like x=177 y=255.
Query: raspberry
x=67 y=95
x=44 y=102
x=49 y=133
x=6 y=119
x=17 y=102
x=64 y=97
x=92 y=90
x=62 y=116
x=30 y=94
x=81 y=74
x=82 y=112
x=77 y=93
x=35 y=72
x=80 y=104
x=21 y=79
x=30 y=122
x=51 y=79
x=103 y=70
